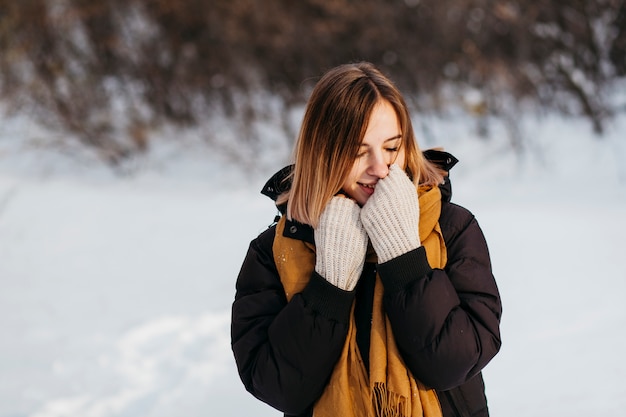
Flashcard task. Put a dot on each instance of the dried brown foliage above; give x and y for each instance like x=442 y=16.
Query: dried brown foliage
x=74 y=61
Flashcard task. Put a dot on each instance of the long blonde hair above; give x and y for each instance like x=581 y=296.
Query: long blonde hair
x=334 y=124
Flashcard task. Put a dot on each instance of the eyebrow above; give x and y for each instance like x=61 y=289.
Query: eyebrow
x=398 y=136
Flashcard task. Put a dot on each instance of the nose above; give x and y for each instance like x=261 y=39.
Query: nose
x=379 y=165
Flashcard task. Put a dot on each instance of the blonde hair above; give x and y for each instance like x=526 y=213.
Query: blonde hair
x=334 y=124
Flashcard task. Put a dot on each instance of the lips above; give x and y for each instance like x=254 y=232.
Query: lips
x=367 y=188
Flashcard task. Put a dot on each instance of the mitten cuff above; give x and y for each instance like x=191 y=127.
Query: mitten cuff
x=328 y=300
x=399 y=272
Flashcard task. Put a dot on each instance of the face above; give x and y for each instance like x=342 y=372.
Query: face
x=380 y=147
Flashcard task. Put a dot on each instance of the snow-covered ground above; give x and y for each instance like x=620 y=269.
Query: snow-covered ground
x=116 y=291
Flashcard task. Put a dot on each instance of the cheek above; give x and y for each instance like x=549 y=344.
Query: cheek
x=401 y=159
x=355 y=171
x=350 y=178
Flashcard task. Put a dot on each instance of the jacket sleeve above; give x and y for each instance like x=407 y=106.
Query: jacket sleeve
x=285 y=351
x=446 y=322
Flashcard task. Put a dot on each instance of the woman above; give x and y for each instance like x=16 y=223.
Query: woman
x=372 y=295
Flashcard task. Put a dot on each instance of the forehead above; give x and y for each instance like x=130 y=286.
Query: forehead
x=383 y=125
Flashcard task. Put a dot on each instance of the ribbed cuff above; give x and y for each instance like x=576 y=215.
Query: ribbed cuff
x=327 y=300
x=399 y=272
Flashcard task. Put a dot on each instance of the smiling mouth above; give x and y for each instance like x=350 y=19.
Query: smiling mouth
x=367 y=188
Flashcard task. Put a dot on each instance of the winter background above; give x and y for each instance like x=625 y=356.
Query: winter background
x=116 y=289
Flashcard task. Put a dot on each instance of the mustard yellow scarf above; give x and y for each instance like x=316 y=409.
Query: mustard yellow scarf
x=389 y=389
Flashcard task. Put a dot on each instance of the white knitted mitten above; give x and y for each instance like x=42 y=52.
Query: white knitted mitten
x=391 y=216
x=340 y=243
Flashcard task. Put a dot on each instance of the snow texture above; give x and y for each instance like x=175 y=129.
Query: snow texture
x=116 y=290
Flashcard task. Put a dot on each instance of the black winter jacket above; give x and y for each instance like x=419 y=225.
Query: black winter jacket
x=446 y=322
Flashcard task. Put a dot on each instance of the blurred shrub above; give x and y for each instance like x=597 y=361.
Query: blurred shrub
x=110 y=70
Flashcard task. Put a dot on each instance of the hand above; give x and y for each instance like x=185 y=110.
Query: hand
x=340 y=243
x=391 y=215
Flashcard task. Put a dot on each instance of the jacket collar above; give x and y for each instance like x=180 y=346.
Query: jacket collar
x=445 y=161
x=300 y=231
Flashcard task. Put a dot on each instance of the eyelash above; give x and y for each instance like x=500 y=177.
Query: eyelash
x=390 y=150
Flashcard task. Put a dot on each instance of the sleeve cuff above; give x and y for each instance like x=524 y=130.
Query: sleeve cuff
x=327 y=300
x=399 y=272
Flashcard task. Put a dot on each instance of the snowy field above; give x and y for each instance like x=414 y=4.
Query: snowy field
x=116 y=291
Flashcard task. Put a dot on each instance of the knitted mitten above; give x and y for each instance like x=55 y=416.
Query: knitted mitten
x=340 y=243
x=391 y=216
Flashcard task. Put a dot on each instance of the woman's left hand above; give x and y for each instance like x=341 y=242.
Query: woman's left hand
x=391 y=216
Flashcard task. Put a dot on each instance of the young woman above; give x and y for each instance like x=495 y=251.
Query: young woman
x=372 y=295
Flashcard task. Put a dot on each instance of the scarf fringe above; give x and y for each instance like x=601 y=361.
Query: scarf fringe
x=389 y=404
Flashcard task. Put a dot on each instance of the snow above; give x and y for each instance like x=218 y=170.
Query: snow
x=116 y=289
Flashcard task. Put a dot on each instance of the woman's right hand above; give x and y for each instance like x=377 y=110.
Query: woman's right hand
x=341 y=243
